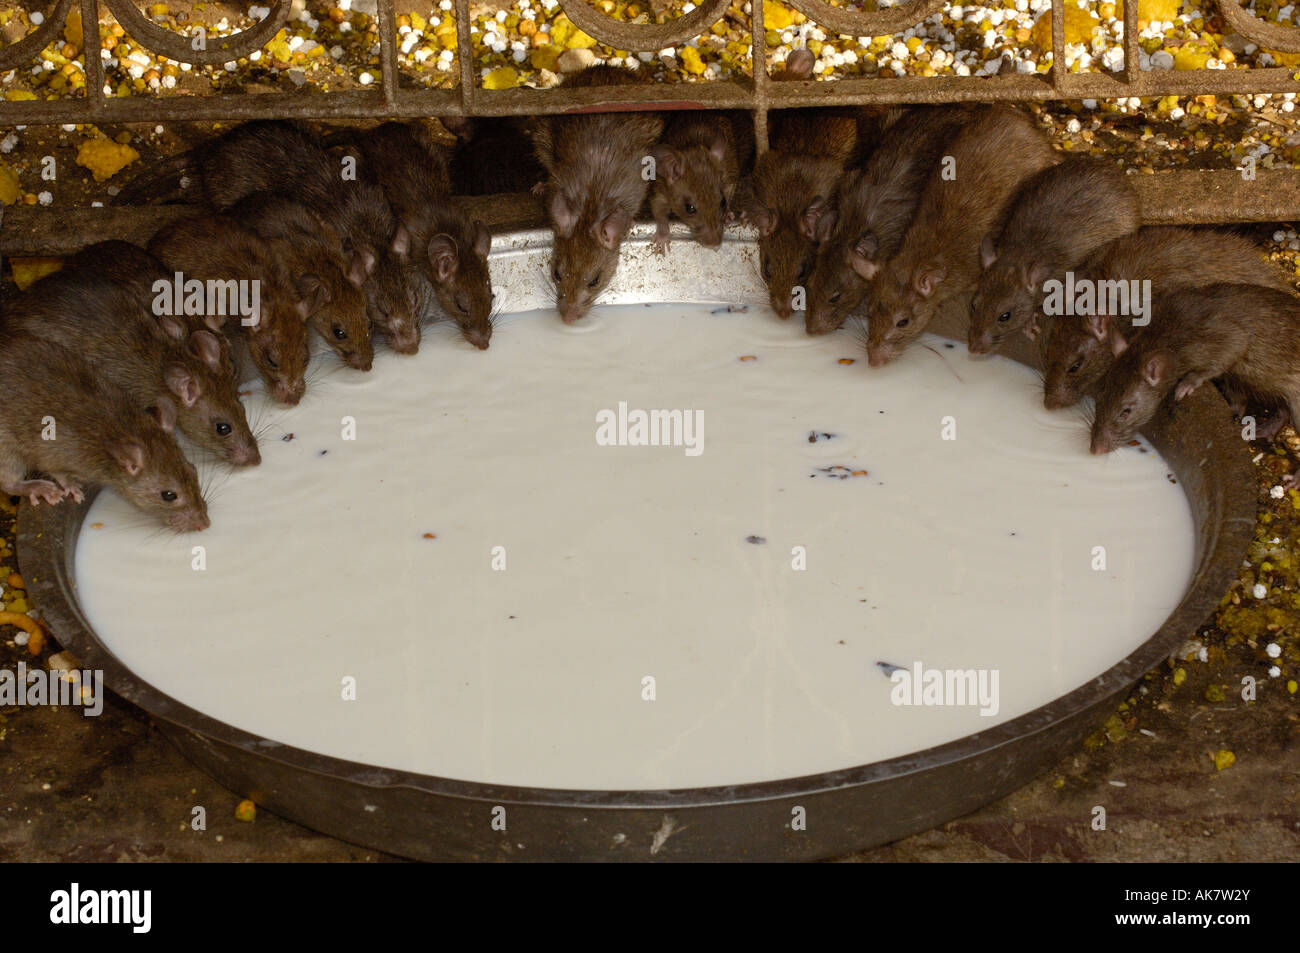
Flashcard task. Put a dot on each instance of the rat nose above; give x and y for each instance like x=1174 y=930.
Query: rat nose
x=249 y=456
x=360 y=362
x=1100 y=445
x=878 y=357
x=782 y=308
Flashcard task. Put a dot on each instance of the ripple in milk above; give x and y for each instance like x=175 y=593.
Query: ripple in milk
x=669 y=547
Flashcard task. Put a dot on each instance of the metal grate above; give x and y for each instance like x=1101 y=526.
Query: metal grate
x=757 y=94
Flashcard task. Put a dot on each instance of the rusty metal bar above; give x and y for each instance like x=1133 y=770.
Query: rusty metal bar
x=1132 y=67
x=465 y=56
x=92 y=57
x=1169 y=198
x=1058 y=42
x=388 y=49
x=758 y=67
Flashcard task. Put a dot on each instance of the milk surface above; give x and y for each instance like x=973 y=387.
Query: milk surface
x=473 y=565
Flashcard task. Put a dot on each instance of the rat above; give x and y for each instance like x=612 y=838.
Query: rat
x=1245 y=331
x=873 y=207
x=1058 y=217
x=594 y=187
x=698 y=164
x=63 y=420
x=964 y=198
x=229 y=257
x=794 y=183
x=324 y=275
x=1079 y=349
x=108 y=313
x=283 y=157
x=449 y=250
x=492 y=156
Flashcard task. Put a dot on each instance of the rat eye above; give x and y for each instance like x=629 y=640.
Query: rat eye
x=902 y=322
x=461 y=306
x=556 y=274
x=1074 y=368
x=169 y=496
x=690 y=209
x=803 y=273
x=271 y=362
x=595 y=280
x=722 y=203
x=339 y=333
x=1123 y=414
x=767 y=271
x=1004 y=317
x=224 y=429
x=835 y=297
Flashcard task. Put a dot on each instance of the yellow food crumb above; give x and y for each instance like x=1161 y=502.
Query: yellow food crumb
x=1079 y=25
x=1223 y=758
x=1180 y=676
x=10 y=190
x=691 y=61
x=1157 y=9
x=776 y=16
x=27 y=271
x=105 y=158
x=245 y=811
x=503 y=78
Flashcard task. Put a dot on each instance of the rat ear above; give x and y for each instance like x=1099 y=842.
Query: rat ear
x=1098 y=325
x=129 y=456
x=401 y=241
x=826 y=225
x=182 y=383
x=1158 y=367
x=927 y=278
x=861 y=257
x=482 y=239
x=1035 y=275
x=988 y=253
x=357 y=271
x=164 y=412
x=812 y=213
x=563 y=215
x=718 y=149
x=312 y=295
x=612 y=228
x=171 y=327
x=668 y=163
x=207 y=348
x=762 y=218
x=1117 y=343
x=442 y=256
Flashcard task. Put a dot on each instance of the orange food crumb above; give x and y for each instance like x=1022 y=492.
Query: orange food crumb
x=748 y=357
x=430 y=535
x=16 y=581
x=859 y=472
x=847 y=360
x=96 y=525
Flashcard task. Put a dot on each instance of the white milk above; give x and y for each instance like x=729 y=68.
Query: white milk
x=635 y=637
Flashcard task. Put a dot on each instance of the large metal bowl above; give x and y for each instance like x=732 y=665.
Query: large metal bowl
x=860 y=806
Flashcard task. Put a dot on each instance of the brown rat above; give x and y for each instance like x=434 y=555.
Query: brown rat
x=873 y=207
x=794 y=184
x=1079 y=349
x=147 y=357
x=330 y=280
x=595 y=163
x=1248 y=332
x=283 y=157
x=449 y=250
x=963 y=200
x=698 y=164
x=492 y=156
x=1057 y=218
x=217 y=249
x=99 y=436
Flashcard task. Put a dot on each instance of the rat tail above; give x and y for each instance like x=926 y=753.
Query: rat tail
x=158 y=183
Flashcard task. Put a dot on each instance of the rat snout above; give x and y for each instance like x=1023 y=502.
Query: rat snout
x=192 y=522
x=782 y=307
x=980 y=344
x=359 y=361
x=478 y=338
x=288 y=393
x=710 y=237
x=1054 y=401
x=246 y=456
x=879 y=356
x=573 y=314
x=405 y=340
x=1101 y=444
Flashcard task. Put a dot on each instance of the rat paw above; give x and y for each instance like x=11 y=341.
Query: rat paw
x=661 y=243
x=40 y=491
x=1185 y=389
x=539 y=189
